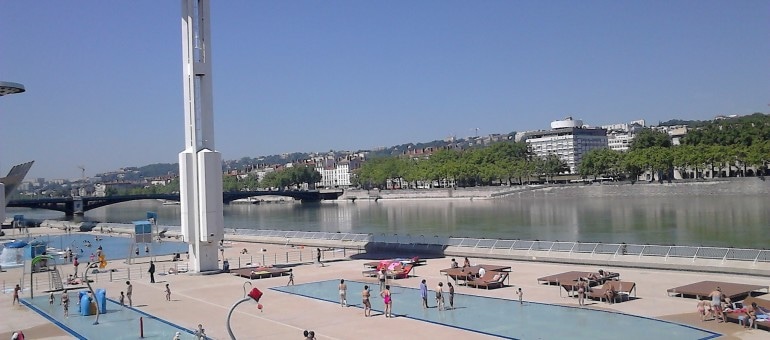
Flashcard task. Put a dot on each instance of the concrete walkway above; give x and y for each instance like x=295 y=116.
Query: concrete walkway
x=206 y=299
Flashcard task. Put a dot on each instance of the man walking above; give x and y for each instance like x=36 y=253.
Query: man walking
x=424 y=293
x=129 y=293
x=152 y=272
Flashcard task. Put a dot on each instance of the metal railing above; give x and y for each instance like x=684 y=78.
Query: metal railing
x=307 y=235
x=291 y=257
x=614 y=249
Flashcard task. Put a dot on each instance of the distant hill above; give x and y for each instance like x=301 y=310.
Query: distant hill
x=689 y=123
x=162 y=169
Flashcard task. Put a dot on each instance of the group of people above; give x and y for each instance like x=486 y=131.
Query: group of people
x=439 y=291
x=718 y=305
x=365 y=296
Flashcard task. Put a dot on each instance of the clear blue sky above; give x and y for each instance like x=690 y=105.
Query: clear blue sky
x=104 y=86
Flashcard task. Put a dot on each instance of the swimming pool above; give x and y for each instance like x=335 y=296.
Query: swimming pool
x=118 y=323
x=507 y=318
x=114 y=247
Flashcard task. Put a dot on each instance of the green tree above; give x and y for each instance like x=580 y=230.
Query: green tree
x=648 y=138
x=600 y=162
x=551 y=166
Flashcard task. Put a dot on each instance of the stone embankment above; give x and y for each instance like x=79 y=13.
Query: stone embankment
x=436 y=194
x=728 y=187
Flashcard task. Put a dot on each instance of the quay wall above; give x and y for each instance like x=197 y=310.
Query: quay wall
x=727 y=187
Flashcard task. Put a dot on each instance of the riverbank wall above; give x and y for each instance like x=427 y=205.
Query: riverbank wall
x=747 y=186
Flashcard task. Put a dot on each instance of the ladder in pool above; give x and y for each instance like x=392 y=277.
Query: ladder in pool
x=55 y=278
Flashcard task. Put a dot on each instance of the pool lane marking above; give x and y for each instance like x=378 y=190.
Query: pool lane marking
x=257 y=316
x=52 y=320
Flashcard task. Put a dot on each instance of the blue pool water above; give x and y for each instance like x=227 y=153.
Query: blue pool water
x=114 y=247
x=507 y=318
x=118 y=323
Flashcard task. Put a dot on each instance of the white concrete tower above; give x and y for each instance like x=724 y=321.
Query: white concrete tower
x=7 y=88
x=200 y=167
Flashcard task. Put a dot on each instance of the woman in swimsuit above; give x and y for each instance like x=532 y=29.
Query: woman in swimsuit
x=581 y=292
x=388 y=301
x=343 y=293
x=367 y=305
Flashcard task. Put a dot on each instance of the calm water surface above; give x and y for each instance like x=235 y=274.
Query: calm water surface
x=718 y=220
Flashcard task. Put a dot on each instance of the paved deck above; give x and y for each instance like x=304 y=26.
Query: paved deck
x=206 y=299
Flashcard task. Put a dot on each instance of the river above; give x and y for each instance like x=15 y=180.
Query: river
x=689 y=215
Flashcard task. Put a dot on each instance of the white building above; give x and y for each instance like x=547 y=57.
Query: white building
x=335 y=173
x=619 y=141
x=568 y=139
x=619 y=136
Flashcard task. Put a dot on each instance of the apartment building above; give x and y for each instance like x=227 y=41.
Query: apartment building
x=335 y=172
x=568 y=139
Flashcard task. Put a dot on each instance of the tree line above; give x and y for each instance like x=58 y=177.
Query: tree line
x=292 y=177
x=720 y=148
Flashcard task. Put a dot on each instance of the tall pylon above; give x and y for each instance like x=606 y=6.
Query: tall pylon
x=200 y=166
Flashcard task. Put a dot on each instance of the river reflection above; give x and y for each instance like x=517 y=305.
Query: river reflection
x=739 y=221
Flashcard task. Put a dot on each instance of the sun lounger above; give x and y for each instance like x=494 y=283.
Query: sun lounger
x=563 y=278
x=260 y=272
x=490 y=279
x=699 y=290
x=763 y=305
x=400 y=273
x=621 y=288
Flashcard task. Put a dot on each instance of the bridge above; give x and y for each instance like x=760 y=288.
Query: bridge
x=79 y=205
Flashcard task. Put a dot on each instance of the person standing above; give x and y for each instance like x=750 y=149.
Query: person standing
x=451 y=295
x=343 y=293
x=168 y=293
x=50 y=298
x=318 y=256
x=122 y=299
x=716 y=304
x=152 y=272
x=16 y=291
x=75 y=264
x=581 y=292
x=424 y=293
x=129 y=293
x=385 y=293
x=291 y=277
x=521 y=296
x=381 y=276
x=367 y=304
x=440 y=296
x=65 y=302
